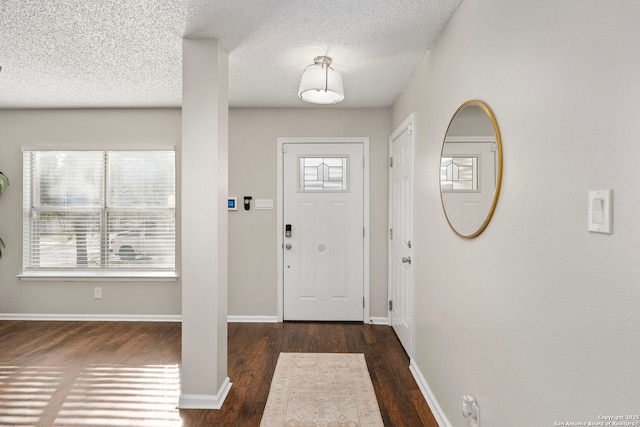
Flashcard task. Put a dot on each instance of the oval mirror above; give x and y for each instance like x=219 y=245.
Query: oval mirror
x=471 y=168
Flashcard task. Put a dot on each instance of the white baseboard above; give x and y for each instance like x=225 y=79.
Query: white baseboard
x=436 y=410
x=274 y=319
x=146 y=318
x=379 y=320
x=252 y=319
x=205 y=401
x=93 y=317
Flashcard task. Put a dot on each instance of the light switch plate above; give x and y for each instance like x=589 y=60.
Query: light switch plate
x=601 y=211
x=264 y=203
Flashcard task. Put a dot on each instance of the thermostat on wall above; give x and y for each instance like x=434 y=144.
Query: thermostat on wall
x=232 y=203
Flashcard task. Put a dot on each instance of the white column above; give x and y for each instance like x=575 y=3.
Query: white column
x=204 y=184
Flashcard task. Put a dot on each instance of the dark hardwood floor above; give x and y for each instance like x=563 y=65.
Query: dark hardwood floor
x=123 y=374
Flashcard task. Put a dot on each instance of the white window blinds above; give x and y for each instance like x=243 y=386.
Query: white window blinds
x=99 y=210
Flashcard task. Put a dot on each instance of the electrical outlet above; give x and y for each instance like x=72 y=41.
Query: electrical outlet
x=97 y=293
x=471 y=410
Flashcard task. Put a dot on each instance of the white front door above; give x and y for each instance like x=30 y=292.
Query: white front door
x=468 y=193
x=323 y=243
x=401 y=234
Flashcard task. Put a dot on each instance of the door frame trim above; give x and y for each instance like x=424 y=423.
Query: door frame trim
x=407 y=125
x=280 y=212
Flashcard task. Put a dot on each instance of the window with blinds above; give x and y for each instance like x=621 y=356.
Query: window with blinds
x=99 y=210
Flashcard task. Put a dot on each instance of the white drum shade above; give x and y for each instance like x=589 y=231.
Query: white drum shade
x=321 y=84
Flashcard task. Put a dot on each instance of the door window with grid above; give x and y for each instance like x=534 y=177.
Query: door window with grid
x=100 y=211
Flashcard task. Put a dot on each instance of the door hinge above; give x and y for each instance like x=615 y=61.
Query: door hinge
x=391 y=234
x=390 y=305
x=284 y=148
x=391 y=161
x=410 y=129
x=363 y=302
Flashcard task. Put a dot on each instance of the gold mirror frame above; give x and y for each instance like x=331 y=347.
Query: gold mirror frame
x=498 y=176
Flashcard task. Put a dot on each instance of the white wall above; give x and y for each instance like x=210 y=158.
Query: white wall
x=537 y=317
x=253 y=135
x=76 y=128
x=252 y=171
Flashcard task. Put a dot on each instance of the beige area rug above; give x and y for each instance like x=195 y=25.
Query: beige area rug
x=321 y=390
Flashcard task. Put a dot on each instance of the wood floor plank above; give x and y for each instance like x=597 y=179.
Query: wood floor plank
x=108 y=374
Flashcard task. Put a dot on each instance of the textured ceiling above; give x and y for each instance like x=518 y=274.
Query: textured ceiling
x=128 y=53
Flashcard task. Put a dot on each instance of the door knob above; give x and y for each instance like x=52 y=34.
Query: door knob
x=406 y=259
x=288 y=246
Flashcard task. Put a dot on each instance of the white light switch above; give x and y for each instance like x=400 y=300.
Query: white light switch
x=597 y=209
x=264 y=203
x=600 y=211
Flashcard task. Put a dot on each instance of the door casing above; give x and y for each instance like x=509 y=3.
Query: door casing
x=280 y=212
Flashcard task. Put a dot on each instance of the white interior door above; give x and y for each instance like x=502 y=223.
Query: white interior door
x=323 y=242
x=401 y=235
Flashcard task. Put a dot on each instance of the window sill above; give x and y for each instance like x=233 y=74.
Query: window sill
x=137 y=276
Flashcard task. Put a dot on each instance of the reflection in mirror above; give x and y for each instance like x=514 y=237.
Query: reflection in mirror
x=471 y=169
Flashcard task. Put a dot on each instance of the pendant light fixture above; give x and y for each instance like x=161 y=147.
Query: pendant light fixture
x=321 y=84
